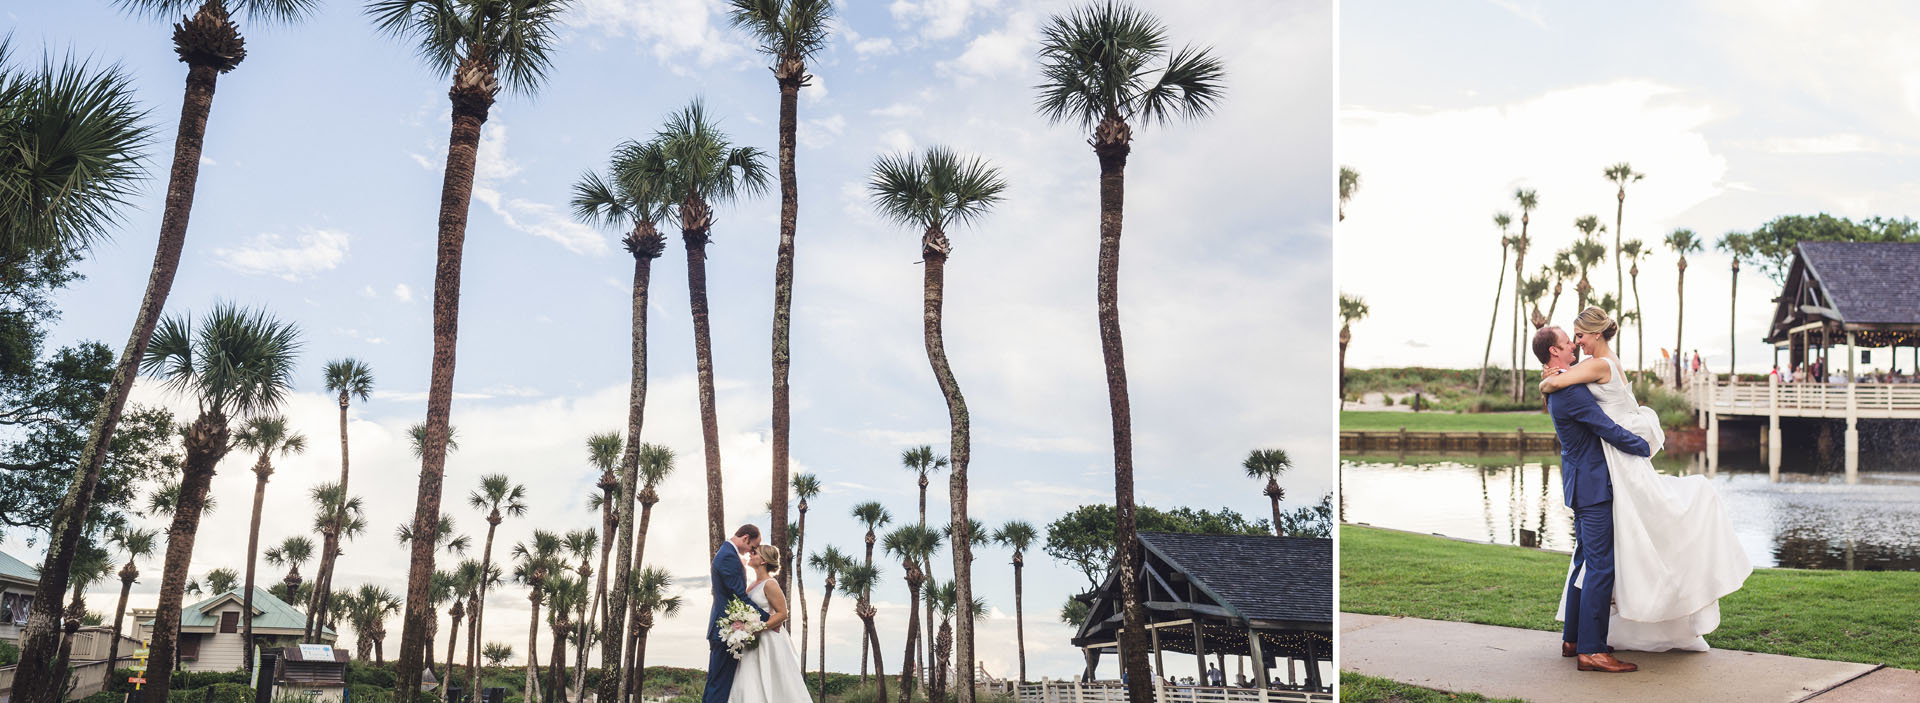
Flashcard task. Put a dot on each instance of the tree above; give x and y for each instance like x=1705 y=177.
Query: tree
x=1309 y=521
x=1562 y=269
x=1018 y=535
x=634 y=195
x=90 y=565
x=830 y=562
x=74 y=142
x=496 y=652
x=346 y=379
x=652 y=593
x=533 y=563
x=1634 y=251
x=1527 y=200
x=266 y=435
x=1269 y=464
x=1103 y=66
x=221 y=580
x=1587 y=252
x=1085 y=540
x=581 y=544
x=914 y=545
x=946 y=599
x=441 y=586
x=1501 y=220
x=478 y=44
x=789 y=32
x=367 y=611
x=1352 y=309
x=137 y=544
x=291 y=553
x=1349 y=185
x=1683 y=242
x=564 y=594
x=497 y=493
x=858 y=581
x=874 y=516
x=603 y=452
x=701 y=168
x=1774 y=243
x=921 y=460
x=805 y=487
x=210 y=44
x=1531 y=291
x=1738 y=247
x=1620 y=174
x=237 y=364
x=340 y=516
x=465 y=585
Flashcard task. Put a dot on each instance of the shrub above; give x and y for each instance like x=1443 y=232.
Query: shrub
x=371 y=675
x=9 y=654
x=105 y=697
x=216 y=693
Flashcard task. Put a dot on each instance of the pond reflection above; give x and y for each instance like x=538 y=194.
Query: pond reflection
x=1805 y=520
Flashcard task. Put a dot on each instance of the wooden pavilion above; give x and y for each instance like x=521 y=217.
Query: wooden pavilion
x=1865 y=295
x=1267 y=598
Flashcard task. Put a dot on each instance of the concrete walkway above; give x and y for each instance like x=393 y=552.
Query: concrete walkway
x=1505 y=662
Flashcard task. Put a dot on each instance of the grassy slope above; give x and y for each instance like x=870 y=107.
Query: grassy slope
x=1358 y=688
x=1858 y=616
x=1378 y=421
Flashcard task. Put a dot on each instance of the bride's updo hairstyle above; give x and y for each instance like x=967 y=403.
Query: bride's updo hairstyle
x=1594 y=320
x=771 y=555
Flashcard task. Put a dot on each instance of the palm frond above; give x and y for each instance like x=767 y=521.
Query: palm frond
x=263 y=11
x=73 y=144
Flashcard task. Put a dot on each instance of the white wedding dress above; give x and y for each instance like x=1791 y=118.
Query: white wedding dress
x=771 y=671
x=1674 y=552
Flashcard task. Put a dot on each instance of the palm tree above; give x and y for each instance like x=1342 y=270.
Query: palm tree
x=441 y=586
x=210 y=44
x=652 y=593
x=1587 y=252
x=633 y=194
x=831 y=562
x=603 y=452
x=221 y=580
x=372 y=606
x=858 y=581
x=439 y=590
x=1349 y=184
x=1620 y=174
x=267 y=436
x=914 y=545
x=805 y=487
x=946 y=600
x=1352 y=309
x=874 y=516
x=337 y=518
x=496 y=652
x=1019 y=535
x=163 y=501
x=1634 y=251
x=1527 y=199
x=346 y=379
x=790 y=32
x=564 y=595
x=497 y=493
x=702 y=168
x=477 y=44
x=533 y=563
x=921 y=460
x=1738 y=246
x=466 y=584
x=291 y=552
x=1269 y=464
x=137 y=544
x=237 y=364
x=581 y=544
x=86 y=139
x=1098 y=65
x=1501 y=220
x=1683 y=242
x=1563 y=269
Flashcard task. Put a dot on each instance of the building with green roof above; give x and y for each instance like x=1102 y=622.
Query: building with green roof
x=210 y=638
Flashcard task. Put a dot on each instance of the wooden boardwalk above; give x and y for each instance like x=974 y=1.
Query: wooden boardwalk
x=1773 y=400
x=1114 y=692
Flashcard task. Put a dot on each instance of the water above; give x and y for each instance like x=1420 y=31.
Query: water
x=1806 y=520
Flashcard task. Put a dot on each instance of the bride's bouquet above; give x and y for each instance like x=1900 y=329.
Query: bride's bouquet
x=740 y=627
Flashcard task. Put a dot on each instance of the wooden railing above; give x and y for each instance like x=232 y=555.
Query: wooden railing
x=88 y=678
x=1114 y=692
x=1830 y=400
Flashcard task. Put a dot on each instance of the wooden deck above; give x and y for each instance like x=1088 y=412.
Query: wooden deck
x=1849 y=402
x=1114 y=692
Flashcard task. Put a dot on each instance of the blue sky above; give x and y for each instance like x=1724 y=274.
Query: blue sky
x=1738 y=112
x=318 y=195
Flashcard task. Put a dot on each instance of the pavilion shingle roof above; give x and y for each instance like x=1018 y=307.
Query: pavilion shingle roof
x=1265 y=578
x=1869 y=282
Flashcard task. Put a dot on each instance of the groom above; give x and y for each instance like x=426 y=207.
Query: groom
x=1581 y=426
x=729 y=578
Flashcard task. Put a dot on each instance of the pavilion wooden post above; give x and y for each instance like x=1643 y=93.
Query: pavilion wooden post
x=1853 y=420
x=1199 y=646
x=1259 y=658
x=1713 y=427
x=1159 y=664
x=1773 y=428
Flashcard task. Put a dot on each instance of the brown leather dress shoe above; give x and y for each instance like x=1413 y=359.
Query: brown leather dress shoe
x=1604 y=662
x=1568 y=649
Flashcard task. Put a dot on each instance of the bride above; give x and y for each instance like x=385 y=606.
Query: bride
x=1675 y=554
x=770 y=672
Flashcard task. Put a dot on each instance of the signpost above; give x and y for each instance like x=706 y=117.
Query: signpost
x=139 y=667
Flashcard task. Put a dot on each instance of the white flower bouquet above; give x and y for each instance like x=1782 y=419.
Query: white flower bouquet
x=740 y=627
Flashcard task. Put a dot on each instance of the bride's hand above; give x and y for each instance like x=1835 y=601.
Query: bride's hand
x=1547 y=384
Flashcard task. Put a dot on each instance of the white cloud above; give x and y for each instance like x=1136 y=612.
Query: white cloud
x=1825 y=144
x=493 y=168
x=896 y=111
x=402 y=293
x=817 y=133
x=208 y=161
x=293 y=259
x=938 y=19
x=815 y=90
x=876 y=46
x=896 y=141
x=675 y=29
x=1003 y=52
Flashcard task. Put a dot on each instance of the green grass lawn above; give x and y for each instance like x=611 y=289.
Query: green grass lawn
x=1870 y=617
x=1359 y=688
x=1378 y=421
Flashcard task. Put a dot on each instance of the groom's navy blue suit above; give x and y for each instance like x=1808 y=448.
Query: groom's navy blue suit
x=729 y=582
x=1581 y=426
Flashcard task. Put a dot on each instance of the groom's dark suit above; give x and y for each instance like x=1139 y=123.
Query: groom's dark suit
x=1581 y=426
x=729 y=582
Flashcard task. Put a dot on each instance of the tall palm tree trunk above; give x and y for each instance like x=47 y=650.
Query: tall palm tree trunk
x=1019 y=616
x=557 y=664
x=533 y=640
x=479 y=606
x=1619 y=267
x=1111 y=144
x=433 y=630
x=1639 y=321
x=206 y=441
x=696 y=241
x=914 y=578
x=330 y=542
x=790 y=77
x=261 y=470
x=637 y=662
x=1273 y=495
x=41 y=635
x=1733 y=312
x=127 y=576
x=454 y=615
x=800 y=584
x=1680 y=326
x=613 y=623
x=865 y=643
x=1498 y=286
x=873 y=640
x=934 y=249
x=825 y=600
x=471 y=96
